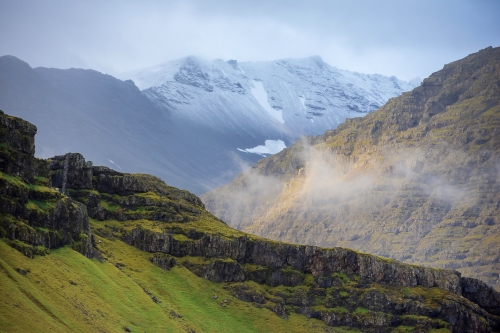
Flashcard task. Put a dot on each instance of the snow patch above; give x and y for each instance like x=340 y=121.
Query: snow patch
x=260 y=94
x=303 y=101
x=270 y=147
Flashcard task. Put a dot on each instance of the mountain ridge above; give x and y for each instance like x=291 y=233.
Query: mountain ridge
x=198 y=148
x=416 y=180
x=309 y=95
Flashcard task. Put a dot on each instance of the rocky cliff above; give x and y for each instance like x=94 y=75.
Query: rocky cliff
x=341 y=287
x=34 y=217
x=417 y=180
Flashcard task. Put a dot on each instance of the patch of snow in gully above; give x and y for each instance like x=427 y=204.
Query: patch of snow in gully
x=303 y=101
x=260 y=94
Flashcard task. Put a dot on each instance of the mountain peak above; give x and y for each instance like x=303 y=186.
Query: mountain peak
x=318 y=61
x=9 y=61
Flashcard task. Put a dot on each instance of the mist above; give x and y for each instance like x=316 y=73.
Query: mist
x=328 y=199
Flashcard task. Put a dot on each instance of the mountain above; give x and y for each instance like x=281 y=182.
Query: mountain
x=86 y=248
x=115 y=124
x=417 y=180
x=285 y=98
x=201 y=146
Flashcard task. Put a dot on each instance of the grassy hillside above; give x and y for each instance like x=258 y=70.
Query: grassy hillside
x=65 y=292
x=122 y=290
x=125 y=289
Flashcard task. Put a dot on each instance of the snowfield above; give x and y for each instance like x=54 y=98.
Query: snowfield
x=270 y=147
x=260 y=94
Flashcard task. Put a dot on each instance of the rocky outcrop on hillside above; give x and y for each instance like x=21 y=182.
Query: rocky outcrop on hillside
x=109 y=194
x=339 y=286
x=34 y=217
x=417 y=180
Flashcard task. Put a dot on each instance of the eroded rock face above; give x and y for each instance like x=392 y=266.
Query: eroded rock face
x=17 y=139
x=70 y=171
x=305 y=259
x=480 y=293
x=18 y=134
x=34 y=217
x=321 y=263
x=163 y=261
x=109 y=194
x=112 y=182
x=385 y=289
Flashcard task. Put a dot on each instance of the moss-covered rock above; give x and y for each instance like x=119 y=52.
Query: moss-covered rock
x=33 y=216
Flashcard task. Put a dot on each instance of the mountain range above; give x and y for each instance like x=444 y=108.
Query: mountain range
x=417 y=180
x=196 y=122
x=294 y=97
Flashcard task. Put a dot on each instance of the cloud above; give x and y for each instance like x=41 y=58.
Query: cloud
x=406 y=39
x=322 y=190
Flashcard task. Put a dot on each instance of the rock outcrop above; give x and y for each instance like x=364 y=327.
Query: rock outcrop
x=33 y=216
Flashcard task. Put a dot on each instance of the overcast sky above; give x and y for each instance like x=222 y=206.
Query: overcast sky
x=407 y=39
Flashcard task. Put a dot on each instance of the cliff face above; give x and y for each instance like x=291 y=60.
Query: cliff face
x=417 y=180
x=339 y=286
x=33 y=216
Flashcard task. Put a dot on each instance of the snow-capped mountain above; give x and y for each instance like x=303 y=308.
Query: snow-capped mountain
x=283 y=98
x=195 y=123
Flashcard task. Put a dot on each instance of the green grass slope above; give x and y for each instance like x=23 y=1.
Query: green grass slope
x=59 y=289
x=66 y=292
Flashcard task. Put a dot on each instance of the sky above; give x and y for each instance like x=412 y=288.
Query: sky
x=407 y=39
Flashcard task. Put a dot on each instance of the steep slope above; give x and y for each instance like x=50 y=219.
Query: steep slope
x=153 y=244
x=417 y=180
x=29 y=211
x=114 y=124
x=267 y=100
x=189 y=130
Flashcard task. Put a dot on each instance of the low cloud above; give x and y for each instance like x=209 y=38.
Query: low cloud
x=405 y=39
x=326 y=190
